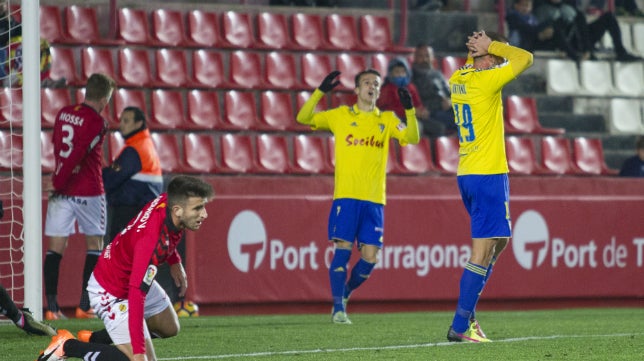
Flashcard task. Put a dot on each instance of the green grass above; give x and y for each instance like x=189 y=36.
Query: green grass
x=576 y=334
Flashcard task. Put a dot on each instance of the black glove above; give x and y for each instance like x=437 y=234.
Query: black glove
x=405 y=98
x=328 y=83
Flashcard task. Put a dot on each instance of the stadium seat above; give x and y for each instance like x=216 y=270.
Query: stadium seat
x=350 y=64
x=276 y=111
x=638 y=38
x=416 y=158
x=240 y=110
x=82 y=26
x=63 y=65
x=168 y=28
x=124 y=97
x=272 y=31
x=166 y=109
x=379 y=62
x=628 y=39
x=115 y=144
x=52 y=100
x=167 y=147
x=272 y=154
x=596 y=78
x=309 y=155
x=562 y=76
x=521 y=117
x=446 y=153
x=281 y=71
x=208 y=69
x=625 y=116
x=314 y=68
x=203 y=110
x=246 y=70
x=343 y=98
x=588 y=155
x=171 y=68
x=10 y=107
x=133 y=26
x=237 y=30
x=199 y=154
x=556 y=156
x=237 y=154
x=375 y=34
x=450 y=64
x=112 y=121
x=10 y=151
x=203 y=28
x=96 y=60
x=51 y=25
x=521 y=156
x=300 y=98
x=47 y=160
x=308 y=32
x=134 y=68
x=342 y=33
x=627 y=77
x=392 y=159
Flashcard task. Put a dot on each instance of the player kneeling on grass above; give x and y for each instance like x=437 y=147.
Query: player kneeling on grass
x=122 y=289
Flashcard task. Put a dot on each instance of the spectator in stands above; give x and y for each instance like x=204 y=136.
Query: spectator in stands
x=628 y=8
x=78 y=194
x=581 y=35
x=634 y=166
x=525 y=31
x=434 y=93
x=399 y=76
x=357 y=213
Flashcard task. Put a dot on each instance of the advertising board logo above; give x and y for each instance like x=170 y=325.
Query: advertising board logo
x=530 y=239
x=247 y=241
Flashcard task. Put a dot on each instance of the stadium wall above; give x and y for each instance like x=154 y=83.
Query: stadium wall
x=265 y=243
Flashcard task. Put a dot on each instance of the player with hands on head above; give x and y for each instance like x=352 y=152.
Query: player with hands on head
x=362 y=134
x=123 y=290
x=482 y=174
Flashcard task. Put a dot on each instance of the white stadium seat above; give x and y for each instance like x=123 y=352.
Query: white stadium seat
x=626 y=116
x=562 y=76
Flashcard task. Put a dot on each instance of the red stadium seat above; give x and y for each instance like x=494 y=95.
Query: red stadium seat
x=115 y=144
x=379 y=62
x=237 y=30
x=308 y=32
x=171 y=68
x=237 y=154
x=521 y=117
x=392 y=160
x=272 y=154
x=521 y=156
x=208 y=69
x=314 y=68
x=450 y=64
x=446 y=152
x=51 y=25
x=168 y=28
x=63 y=65
x=375 y=34
x=47 y=160
x=10 y=151
x=276 y=111
x=203 y=28
x=10 y=107
x=416 y=158
x=350 y=64
x=199 y=155
x=309 y=155
x=52 y=100
x=272 y=31
x=82 y=26
x=246 y=70
x=124 y=97
x=96 y=60
x=342 y=33
x=166 y=109
x=112 y=121
x=167 y=147
x=343 y=98
x=134 y=68
x=240 y=110
x=203 y=110
x=302 y=96
x=588 y=155
x=556 y=156
x=133 y=26
x=281 y=71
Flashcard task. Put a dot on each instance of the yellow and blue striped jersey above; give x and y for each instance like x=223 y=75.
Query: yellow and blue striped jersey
x=362 y=142
x=478 y=109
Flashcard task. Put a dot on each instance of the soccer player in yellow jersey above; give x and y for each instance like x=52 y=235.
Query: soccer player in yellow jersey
x=362 y=133
x=482 y=170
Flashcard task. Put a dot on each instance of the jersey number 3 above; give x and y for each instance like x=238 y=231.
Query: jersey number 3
x=463 y=115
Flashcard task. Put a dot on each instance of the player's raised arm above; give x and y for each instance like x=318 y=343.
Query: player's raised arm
x=412 y=135
x=305 y=115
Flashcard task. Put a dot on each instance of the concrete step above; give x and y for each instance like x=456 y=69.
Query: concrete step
x=574 y=123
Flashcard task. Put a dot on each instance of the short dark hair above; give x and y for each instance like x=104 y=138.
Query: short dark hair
x=99 y=86
x=183 y=187
x=139 y=116
x=368 y=71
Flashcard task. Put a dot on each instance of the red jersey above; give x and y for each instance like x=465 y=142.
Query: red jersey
x=128 y=265
x=79 y=132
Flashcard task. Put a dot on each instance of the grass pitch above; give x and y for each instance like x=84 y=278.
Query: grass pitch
x=574 y=334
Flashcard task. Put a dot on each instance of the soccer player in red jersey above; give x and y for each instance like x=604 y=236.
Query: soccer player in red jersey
x=78 y=195
x=122 y=288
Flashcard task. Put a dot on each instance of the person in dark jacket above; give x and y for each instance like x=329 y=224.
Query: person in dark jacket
x=634 y=166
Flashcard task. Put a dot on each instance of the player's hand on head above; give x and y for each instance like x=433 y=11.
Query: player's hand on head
x=330 y=82
x=405 y=98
